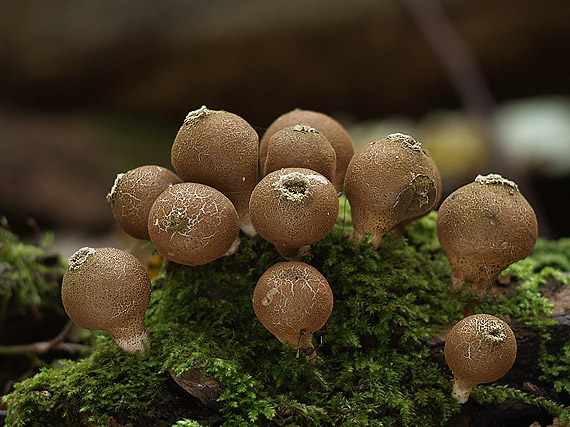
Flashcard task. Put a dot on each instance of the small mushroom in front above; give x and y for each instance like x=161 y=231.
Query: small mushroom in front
x=293 y=300
x=108 y=289
x=479 y=349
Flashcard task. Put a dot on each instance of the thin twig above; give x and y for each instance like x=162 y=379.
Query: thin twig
x=41 y=347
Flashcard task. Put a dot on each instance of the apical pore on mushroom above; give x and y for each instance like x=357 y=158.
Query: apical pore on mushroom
x=133 y=194
x=484 y=227
x=324 y=124
x=479 y=349
x=293 y=300
x=388 y=181
x=193 y=224
x=293 y=208
x=219 y=149
x=108 y=289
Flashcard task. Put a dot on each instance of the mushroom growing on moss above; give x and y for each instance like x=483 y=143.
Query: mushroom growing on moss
x=219 y=149
x=388 y=181
x=293 y=208
x=300 y=146
x=484 y=227
x=133 y=194
x=324 y=124
x=193 y=224
x=293 y=300
x=108 y=289
x=479 y=349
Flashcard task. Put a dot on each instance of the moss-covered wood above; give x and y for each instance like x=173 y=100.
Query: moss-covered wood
x=379 y=361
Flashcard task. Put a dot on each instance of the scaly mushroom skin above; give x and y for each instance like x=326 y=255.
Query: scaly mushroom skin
x=293 y=208
x=484 y=227
x=329 y=127
x=219 y=149
x=479 y=349
x=193 y=224
x=293 y=300
x=400 y=227
x=133 y=194
x=108 y=289
x=301 y=146
x=389 y=180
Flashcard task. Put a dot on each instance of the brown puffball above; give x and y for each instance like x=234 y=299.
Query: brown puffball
x=484 y=227
x=301 y=146
x=133 y=194
x=193 y=224
x=293 y=208
x=479 y=349
x=219 y=149
x=293 y=300
x=329 y=127
x=389 y=180
x=108 y=289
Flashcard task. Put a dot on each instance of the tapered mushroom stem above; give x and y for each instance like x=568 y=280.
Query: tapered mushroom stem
x=479 y=288
x=245 y=224
x=461 y=389
x=293 y=253
x=357 y=236
x=131 y=338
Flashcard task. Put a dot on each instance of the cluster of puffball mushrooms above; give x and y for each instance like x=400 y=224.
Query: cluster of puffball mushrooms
x=305 y=158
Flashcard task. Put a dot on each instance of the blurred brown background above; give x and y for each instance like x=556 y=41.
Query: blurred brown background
x=89 y=89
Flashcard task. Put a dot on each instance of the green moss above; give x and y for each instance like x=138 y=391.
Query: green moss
x=29 y=278
x=373 y=365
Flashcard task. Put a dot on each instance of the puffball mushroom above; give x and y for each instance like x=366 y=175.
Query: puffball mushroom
x=483 y=228
x=479 y=349
x=293 y=300
x=389 y=180
x=219 y=149
x=133 y=194
x=193 y=224
x=301 y=146
x=108 y=289
x=293 y=208
x=329 y=127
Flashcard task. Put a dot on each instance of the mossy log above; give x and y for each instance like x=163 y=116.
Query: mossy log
x=379 y=357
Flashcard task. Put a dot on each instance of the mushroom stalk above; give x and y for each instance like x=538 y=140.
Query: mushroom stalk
x=462 y=389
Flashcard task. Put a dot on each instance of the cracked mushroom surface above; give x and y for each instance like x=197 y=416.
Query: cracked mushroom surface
x=219 y=149
x=483 y=228
x=326 y=125
x=293 y=208
x=388 y=181
x=293 y=300
x=301 y=146
x=479 y=349
x=133 y=194
x=193 y=224
x=108 y=289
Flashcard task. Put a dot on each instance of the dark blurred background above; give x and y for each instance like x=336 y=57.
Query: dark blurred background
x=92 y=88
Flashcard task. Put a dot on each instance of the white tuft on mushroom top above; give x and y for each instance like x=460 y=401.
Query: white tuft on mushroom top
x=495 y=178
x=79 y=257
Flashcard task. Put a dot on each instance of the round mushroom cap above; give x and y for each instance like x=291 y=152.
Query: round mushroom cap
x=324 y=124
x=107 y=289
x=294 y=207
x=293 y=300
x=480 y=349
x=301 y=146
x=390 y=180
x=133 y=194
x=484 y=227
x=192 y=224
x=219 y=149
